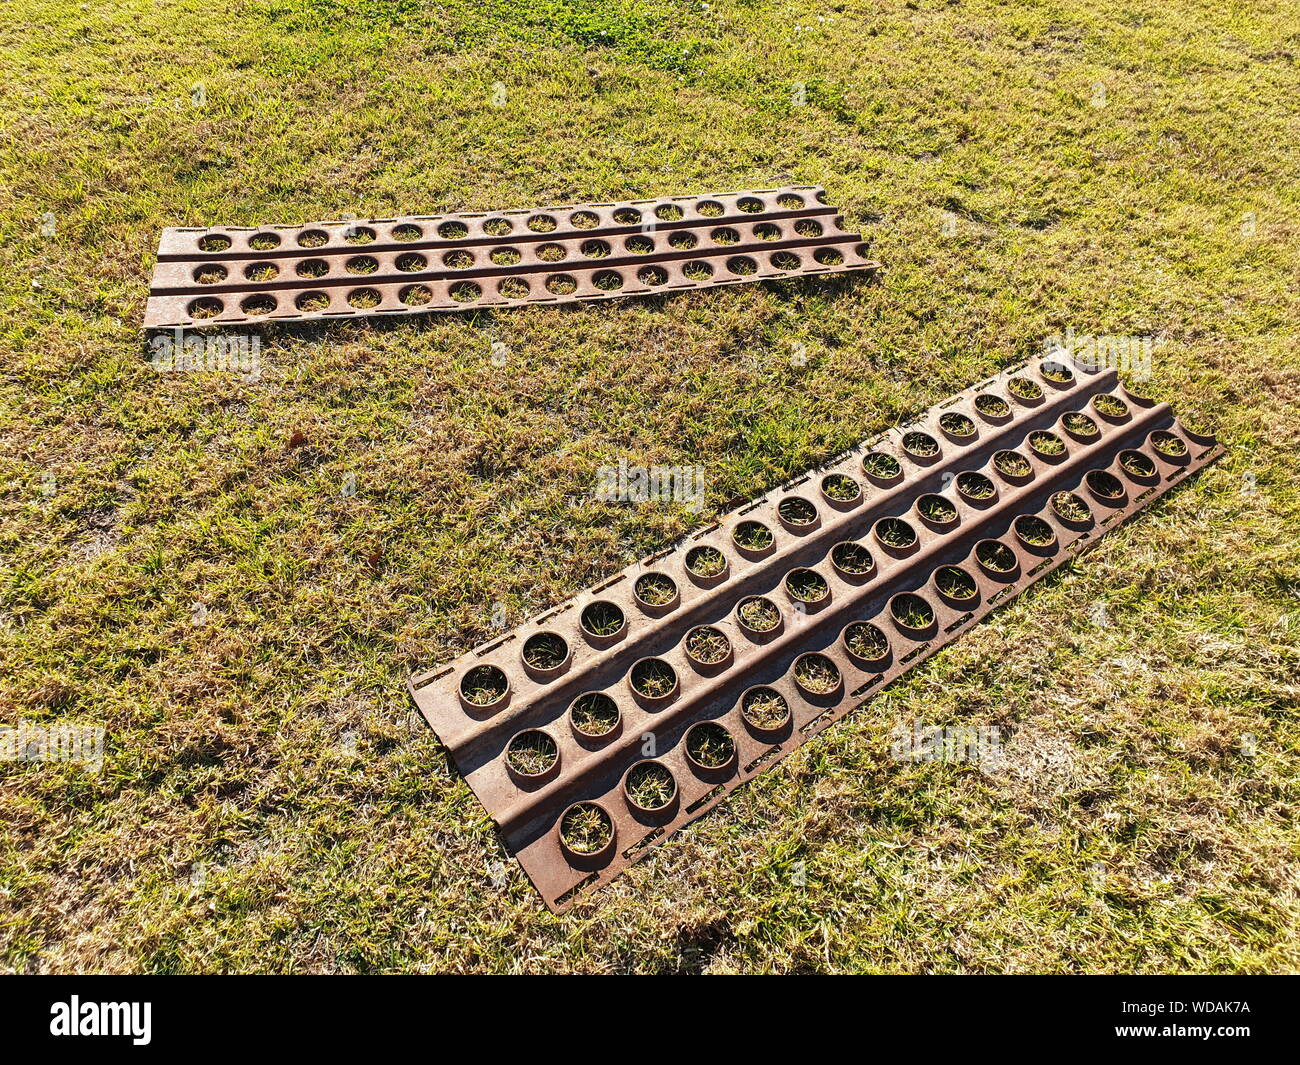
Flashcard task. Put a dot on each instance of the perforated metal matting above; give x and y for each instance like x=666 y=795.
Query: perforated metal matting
x=427 y=263
x=983 y=495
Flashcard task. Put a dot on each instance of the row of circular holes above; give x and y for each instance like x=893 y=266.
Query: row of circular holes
x=541 y=222
x=511 y=287
x=806 y=587
x=894 y=533
x=463 y=259
x=797 y=512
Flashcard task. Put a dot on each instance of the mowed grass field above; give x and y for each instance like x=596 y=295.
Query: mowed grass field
x=234 y=576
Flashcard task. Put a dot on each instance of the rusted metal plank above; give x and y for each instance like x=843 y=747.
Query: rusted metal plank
x=456 y=262
x=867 y=565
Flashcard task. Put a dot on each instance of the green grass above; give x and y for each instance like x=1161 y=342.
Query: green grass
x=234 y=576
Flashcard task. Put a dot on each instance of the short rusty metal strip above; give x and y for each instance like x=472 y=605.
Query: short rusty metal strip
x=1139 y=452
x=553 y=255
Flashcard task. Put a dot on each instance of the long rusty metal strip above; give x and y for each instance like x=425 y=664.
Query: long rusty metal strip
x=876 y=560
x=552 y=255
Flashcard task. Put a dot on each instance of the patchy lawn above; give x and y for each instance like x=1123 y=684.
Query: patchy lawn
x=235 y=575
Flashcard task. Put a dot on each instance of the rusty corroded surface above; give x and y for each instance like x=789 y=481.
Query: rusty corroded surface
x=981 y=533
x=428 y=263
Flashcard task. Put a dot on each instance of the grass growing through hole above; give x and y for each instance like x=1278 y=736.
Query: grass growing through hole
x=936 y=509
x=1168 y=444
x=879 y=465
x=753 y=536
x=531 y=753
x=1137 y=464
x=817 y=674
x=545 y=650
x=996 y=556
x=656 y=589
x=1012 y=464
x=920 y=444
x=706 y=561
x=975 y=485
x=840 y=488
x=1110 y=406
x=602 y=619
x=483 y=685
x=852 y=558
x=765 y=708
x=806 y=585
x=1079 y=423
x=653 y=678
x=955 y=583
x=586 y=828
x=1105 y=484
x=1070 y=507
x=707 y=645
x=759 y=613
x=895 y=533
x=710 y=745
x=797 y=511
x=1046 y=443
x=957 y=424
x=1024 y=388
x=1033 y=530
x=1056 y=371
x=912 y=611
x=866 y=641
x=650 y=785
x=594 y=714
x=992 y=406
